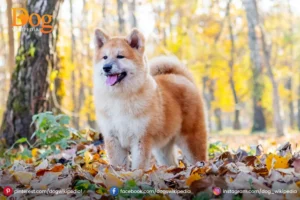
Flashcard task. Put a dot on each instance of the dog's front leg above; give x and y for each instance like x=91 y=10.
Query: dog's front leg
x=117 y=155
x=141 y=153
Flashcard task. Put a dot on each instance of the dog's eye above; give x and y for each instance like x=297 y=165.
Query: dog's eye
x=104 y=57
x=120 y=57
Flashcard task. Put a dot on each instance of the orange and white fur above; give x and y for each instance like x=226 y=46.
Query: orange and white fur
x=145 y=108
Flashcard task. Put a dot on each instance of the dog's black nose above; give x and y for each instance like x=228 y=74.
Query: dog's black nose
x=107 y=67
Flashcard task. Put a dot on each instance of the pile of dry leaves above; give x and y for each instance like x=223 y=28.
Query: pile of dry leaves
x=82 y=172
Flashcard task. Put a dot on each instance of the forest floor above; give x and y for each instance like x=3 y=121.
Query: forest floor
x=257 y=166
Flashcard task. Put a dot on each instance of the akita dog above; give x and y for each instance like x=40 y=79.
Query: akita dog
x=145 y=108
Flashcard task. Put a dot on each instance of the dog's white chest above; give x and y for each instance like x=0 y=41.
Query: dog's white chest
x=120 y=120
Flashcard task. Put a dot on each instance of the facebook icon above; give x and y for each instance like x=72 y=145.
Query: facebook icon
x=114 y=191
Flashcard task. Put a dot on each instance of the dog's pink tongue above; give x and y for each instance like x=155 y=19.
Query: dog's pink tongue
x=111 y=80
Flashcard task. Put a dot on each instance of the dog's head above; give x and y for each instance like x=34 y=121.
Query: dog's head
x=119 y=61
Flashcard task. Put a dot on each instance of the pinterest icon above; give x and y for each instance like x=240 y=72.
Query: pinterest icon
x=7 y=191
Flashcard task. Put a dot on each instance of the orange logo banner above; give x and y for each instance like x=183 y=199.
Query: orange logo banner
x=24 y=17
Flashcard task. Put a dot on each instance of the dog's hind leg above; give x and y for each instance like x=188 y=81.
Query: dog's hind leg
x=193 y=147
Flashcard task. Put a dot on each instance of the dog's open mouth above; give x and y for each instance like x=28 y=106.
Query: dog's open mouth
x=113 y=79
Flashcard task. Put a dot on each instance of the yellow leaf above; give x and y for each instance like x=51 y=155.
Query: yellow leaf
x=181 y=164
x=23 y=177
x=2 y=197
x=35 y=152
x=192 y=178
x=298 y=184
x=112 y=180
x=153 y=169
x=87 y=157
x=97 y=158
x=274 y=161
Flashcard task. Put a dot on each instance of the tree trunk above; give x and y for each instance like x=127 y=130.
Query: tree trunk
x=236 y=123
x=207 y=99
x=121 y=16
x=218 y=115
x=103 y=23
x=75 y=119
x=289 y=84
x=277 y=112
x=278 y=122
x=289 y=87
x=11 y=47
x=259 y=123
x=29 y=88
x=132 y=18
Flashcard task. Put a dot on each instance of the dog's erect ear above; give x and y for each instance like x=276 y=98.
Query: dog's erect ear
x=136 y=40
x=100 y=38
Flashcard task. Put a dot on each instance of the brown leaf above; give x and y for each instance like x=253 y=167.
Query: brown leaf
x=56 y=168
x=201 y=185
x=174 y=170
x=80 y=147
x=226 y=156
x=261 y=171
x=222 y=170
x=250 y=160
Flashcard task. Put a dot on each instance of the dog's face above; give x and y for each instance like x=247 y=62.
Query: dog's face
x=119 y=61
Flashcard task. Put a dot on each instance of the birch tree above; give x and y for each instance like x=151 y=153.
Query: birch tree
x=259 y=123
x=255 y=27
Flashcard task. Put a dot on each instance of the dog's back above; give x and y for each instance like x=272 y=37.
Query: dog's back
x=177 y=84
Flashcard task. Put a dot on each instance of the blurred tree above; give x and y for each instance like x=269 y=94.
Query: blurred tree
x=132 y=18
x=231 y=62
x=28 y=93
x=277 y=112
x=290 y=81
x=259 y=122
x=75 y=118
x=120 y=9
x=11 y=45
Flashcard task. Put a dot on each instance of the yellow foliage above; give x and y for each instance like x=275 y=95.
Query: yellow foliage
x=274 y=161
x=192 y=178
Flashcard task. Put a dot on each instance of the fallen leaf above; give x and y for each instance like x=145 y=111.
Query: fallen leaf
x=97 y=158
x=23 y=177
x=200 y=185
x=112 y=180
x=274 y=161
x=192 y=178
x=261 y=171
x=56 y=168
x=153 y=168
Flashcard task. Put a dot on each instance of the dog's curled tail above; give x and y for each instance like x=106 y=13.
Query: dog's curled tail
x=168 y=65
